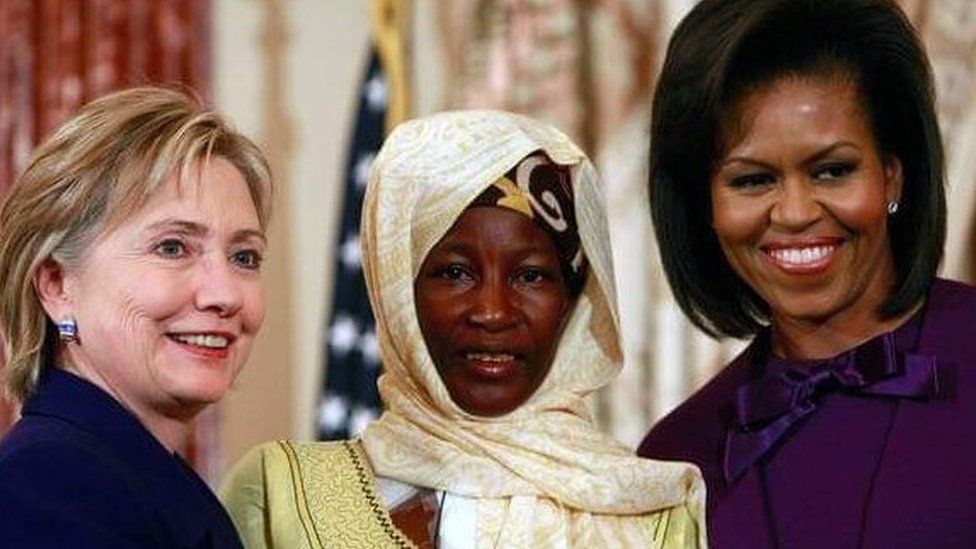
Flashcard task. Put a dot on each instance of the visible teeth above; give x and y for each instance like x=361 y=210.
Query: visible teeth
x=491 y=357
x=801 y=256
x=203 y=340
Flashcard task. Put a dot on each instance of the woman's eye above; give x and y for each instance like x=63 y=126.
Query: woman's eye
x=454 y=272
x=532 y=276
x=833 y=171
x=171 y=249
x=752 y=181
x=248 y=259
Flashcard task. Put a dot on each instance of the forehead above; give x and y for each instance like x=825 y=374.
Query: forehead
x=814 y=109
x=495 y=229
x=209 y=193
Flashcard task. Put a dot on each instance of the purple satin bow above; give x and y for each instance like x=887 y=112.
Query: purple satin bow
x=767 y=409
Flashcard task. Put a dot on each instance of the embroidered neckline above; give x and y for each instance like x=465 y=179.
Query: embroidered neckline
x=365 y=477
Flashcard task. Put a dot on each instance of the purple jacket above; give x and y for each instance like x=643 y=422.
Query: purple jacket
x=861 y=470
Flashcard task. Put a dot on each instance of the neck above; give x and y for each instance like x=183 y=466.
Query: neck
x=173 y=431
x=174 y=434
x=816 y=339
x=799 y=337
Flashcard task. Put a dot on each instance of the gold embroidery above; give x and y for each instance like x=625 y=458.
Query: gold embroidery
x=340 y=497
x=301 y=503
x=366 y=483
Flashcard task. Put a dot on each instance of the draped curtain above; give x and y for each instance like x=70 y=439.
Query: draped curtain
x=588 y=66
x=56 y=55
x=949 y=30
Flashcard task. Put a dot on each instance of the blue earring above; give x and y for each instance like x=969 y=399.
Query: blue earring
x=68 y=329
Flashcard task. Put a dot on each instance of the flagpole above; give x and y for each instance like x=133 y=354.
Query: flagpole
x=390 y=22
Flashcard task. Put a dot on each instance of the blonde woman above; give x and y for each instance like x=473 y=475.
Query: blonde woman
x=131 y=268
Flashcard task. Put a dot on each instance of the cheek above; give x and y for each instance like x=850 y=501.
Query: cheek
x=136 y=312
x=433 y=317
x=253 y=309
x=140 y=314
x=119 y=325
x=550 y=313
x=737 y=219
x=157 y=299
x=136 y=299
x=439 y=304
x=861 y=209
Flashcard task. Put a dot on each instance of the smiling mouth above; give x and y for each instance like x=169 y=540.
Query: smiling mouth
x=203 y=344
x=202 y=340
x=802 y=259
x=491 y=366
x=802 y=256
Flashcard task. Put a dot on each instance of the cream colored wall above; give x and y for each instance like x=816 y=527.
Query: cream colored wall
x=286 y=73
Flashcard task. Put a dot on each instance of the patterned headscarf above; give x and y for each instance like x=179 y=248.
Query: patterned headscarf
x=543 y=474
x=542 y=190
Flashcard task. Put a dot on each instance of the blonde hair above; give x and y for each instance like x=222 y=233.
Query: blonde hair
x=97 y=168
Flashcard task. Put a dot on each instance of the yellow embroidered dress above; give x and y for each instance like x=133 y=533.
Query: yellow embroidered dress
x=542 y=475
x=322 y=494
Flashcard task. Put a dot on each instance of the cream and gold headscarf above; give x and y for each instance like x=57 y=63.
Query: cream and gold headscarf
x=544 y=475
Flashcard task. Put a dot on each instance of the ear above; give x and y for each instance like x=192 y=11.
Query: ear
x=52 y=290
x=894 y=180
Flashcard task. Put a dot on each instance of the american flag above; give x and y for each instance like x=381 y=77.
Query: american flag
x=349 y=399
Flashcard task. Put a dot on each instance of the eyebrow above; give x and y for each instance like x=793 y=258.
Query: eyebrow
x=813 y=157
x=461 y=248
x=198 y=230
x=249 y=234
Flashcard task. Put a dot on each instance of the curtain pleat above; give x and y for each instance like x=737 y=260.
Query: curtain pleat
x=56 y=55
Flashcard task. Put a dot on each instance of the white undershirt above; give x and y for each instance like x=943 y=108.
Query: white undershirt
x=457 y=516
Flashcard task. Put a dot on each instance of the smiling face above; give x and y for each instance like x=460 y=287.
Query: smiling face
x=799 y=201
x=169 y=301
x=492 y=303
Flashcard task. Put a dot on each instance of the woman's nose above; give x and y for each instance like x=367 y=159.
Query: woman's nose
x=493 y=309
x=217 y=287
x=796 y=207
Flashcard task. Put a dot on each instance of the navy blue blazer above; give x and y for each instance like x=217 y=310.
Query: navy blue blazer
x=78 y=470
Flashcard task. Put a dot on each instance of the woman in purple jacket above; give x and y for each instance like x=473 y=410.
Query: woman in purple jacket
x=797 y=193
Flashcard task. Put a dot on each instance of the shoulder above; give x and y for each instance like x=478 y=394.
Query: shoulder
x=287 y=494
x=695 y=430
x=950 y=321
x=243 y=491
x=697 y=416
x=33 y=433
x=950 y=298
x=283 y=461
x=59 y=483
x=44 y=452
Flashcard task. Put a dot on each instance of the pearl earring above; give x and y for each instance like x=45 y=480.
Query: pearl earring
x=892 y=207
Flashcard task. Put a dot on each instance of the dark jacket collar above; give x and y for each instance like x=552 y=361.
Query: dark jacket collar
x=185 y=503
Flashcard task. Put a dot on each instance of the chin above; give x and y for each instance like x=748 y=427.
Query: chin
x=200 y=389
x=486 y=407
x=815 y=307
x=489 y=410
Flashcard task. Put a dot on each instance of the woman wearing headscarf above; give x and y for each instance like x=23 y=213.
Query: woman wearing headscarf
x=487 y=260
x=797 y=192
x=131 y=293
